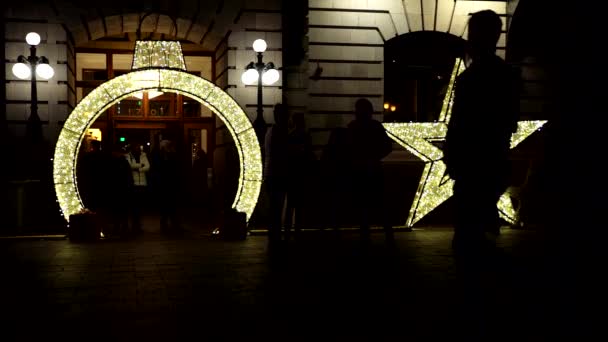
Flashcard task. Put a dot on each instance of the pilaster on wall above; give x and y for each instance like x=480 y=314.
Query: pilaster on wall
x=255 y=19
x=256 y=23
x=537 y=97
x=71 y=70
x=223 y=141
x=3 y=126
x=511 y=7
x=54 y=95
x=296 y=80
x=31 y=161
x=346 y=40
x=235 y=51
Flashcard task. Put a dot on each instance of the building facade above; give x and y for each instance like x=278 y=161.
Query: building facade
x=329 y=53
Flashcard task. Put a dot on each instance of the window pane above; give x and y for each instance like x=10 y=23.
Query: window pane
x=192 y=108
x=161 y=105
x=94 y=75
x=129 y=107
x=122 y=62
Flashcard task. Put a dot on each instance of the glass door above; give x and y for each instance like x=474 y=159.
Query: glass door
x=197 y=138
x=199 y=149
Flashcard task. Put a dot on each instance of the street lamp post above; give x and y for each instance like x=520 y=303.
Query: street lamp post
x=30 y=67
x=263 y=74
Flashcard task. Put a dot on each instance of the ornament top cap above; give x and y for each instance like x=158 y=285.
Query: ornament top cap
x=158 y=54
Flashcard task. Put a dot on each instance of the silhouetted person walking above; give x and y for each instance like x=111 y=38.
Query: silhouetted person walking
x=300 y=162
x=93 y=181
x=168 y=186
x=92 y=178
x=276 y=168
x=368 y=144
x=199 y=192
x=120 y=187
x=484 y=116
x=138 y=160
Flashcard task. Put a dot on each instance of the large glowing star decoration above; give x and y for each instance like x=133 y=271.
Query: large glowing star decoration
x=174 y=79
x=435 y=185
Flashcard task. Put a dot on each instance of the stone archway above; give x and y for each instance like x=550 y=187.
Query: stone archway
x=167 y=80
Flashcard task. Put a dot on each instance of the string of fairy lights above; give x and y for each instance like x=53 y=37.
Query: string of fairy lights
x=159 y=54
x=157 y=65
x=435 y=186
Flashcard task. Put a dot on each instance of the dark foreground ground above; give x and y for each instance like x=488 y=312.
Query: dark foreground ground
x=322 y=287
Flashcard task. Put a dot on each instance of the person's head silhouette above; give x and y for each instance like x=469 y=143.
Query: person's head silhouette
x=363 y=109
x=484 y=30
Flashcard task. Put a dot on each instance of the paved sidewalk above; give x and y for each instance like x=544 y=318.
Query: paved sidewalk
x=322 y=287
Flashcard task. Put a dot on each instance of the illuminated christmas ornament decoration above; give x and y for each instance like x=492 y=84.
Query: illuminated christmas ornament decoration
x=435 y=185
x=158 y=66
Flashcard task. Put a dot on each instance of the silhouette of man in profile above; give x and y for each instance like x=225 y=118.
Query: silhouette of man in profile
x=92 y=178
x=276 y=166
x=368 y=144
x=484 y=116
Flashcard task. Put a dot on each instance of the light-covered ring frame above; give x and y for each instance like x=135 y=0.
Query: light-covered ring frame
x=166 y=80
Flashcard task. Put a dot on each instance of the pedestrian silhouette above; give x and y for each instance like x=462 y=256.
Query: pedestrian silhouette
x=92 y=178
x=276 y=169
x=199 y=193
x=120 y=186
x=169 y=175
x=368 y=144
x=300 y=167
x=478 y=139
x=93 y=183
x=138 y=160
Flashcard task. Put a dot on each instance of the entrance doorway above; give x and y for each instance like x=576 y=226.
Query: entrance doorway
x=193 y=142
x=192 y=139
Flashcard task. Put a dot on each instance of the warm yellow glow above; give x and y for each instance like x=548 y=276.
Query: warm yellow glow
x=158 y=54
x=435 y=186
x=250 y=77
x=94 y=133
x=393 y=108
x=448 y=100
x=22 y=71
x=151 y=94
x=386 y=105
x=524 y=129
x=270 y=76
x=111 y=92
x=44 y=71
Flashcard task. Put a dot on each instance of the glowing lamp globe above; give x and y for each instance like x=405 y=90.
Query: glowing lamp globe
x=259 y=45
x=32 y=38
x=250 y=76
x=21 y=70
x=270 y=76
x=44 y=71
